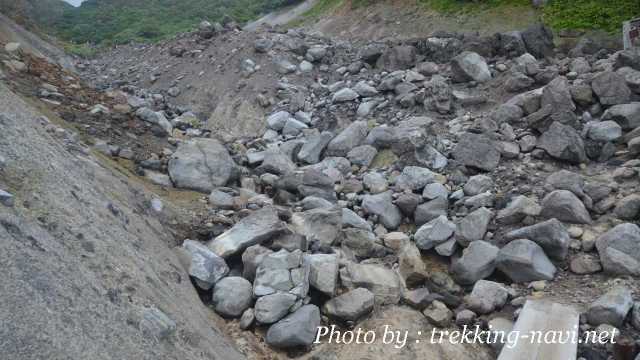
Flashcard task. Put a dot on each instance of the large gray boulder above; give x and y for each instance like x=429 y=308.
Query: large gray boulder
x=273 y=307
x=433 y=233
x=201 y=165
x=259 y=226
x=469 y=66
x=232 y=296
x=206 y=268
x=321 y=225
x=611 y=88
x=611 y=308
x=626 y=115
x=524 y=261
x=352 y=136
x=473 y=226
x=323 y=273
x=382 y=206
x=382 y=282
x=551 y=235
x=477 y=151
x=314 y=145
x=155 y=117
x=565 y=206
x=619 y=250
x=477 y=262
x=563 y=143
x=350 y=306
x=538 y=40
x=557 y=95
x=297 y=329
x=414 y=178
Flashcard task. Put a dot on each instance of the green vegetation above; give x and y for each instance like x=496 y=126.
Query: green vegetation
x=590 y=14
x=466 y=6
x=82 y=50
x=322 y=7
x=122 y=21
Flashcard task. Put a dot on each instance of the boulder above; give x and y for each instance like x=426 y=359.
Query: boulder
x=259 y=226
x=382 y=206
x=232 y=296
x=323 y=273
x=201 y=165
x=297 y=329
x=610 y=88
x=473 y=226
x=399 y=57
x=382 y=282
x=518 y=209
x=524 y=261
x=350 y=306
x=156 y=118
x=414 y=178
x=433 y=233
x=351 y=219
x=477 y=151
x=314 y=145
x=321 y=225
x=487 y=296
x=438 y=314
x=551 y=235
x=469 y=66
x=410 y=265
x=478 y=184
x=619 y=250
x=604 y=131
x=352 y=136
x=563 y=143
x=538 y=40
x=611 y=308
x=430 y=210
x=626 y=115
x=477 y=262
x=628 y=208
x=271 y=308
x=564 y=206
x=206 y=268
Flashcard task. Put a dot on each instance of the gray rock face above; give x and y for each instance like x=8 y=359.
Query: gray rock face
x=434 y=191
x=519 y=208
x=382 y=282
x=359 y=242
x=201 y=165
x=362 y=155
x=277 y=120
x=564 y=143
x=260 y=226
x=397 y=58
x=206 y=267
x=487 y=296
x=433 y=233
x=473 y=226
x=551 y=235
x=251 y=258
x=382 y=206
x=375 y=182
x=276 y=162
x=477 y=151
x=566 y=180
x=468 y=66
x=619 y=250
x=611 y=308
x=565 y=206
x=321 y=225
x=438 y=314
x=232 y=296
x=323 y=274
x=477 y=262
x=524 y=261
x=584 y=264
x=414 y=178
x=350 y=306
x=626 y=115
x=155 y=117
x=297 y=329
x=351 y=219
x=271 y=308
x=314 y=146
x=610 y=88
x=352 y=136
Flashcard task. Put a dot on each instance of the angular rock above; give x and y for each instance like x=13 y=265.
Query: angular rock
x=350 y=306
x=344 y=95
x=259 y=226
x=525 y=261
x=610 y=88
x=155 y=117
x=477 y=262
x=382 y=206
x=433 y=233
x=314 y=146
x=362 y=155
x=430 y=210
x=414 y=178
x=538 y=40
x=382 y=282
x=271 y=308
x=232 y=296
x=564 y=206
x=323 y=275
x=604 y=131
x=438 y=314
x=619 y=250
x=585 y=264
x=477 y=151
x=626 y=115
x=202 y=165
x=611 y=308
x=551 y=235
x=297 y=329
x=628 y=208
x=411 y=267
x=478 y=184
x=487 y=296
x=473 y=226
x=519 y=208
x=321 y=225
x=352 y=136
x=564 y=143
x=469 y=66
x=206 y=267
x=351 y=219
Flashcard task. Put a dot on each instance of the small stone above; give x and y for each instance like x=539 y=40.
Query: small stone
x=438 y=314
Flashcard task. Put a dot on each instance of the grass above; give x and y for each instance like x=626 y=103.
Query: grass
x=590 y=14
x=82 y=50
x=321 y=8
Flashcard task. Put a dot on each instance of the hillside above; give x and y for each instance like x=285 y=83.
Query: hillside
x=121 y=21
x=34 y=13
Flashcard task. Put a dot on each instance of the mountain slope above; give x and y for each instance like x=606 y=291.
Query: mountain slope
x=34 y=13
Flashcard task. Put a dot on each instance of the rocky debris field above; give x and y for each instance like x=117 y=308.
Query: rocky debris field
x=455 y=174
